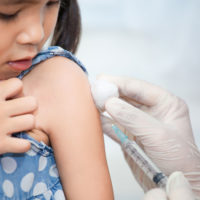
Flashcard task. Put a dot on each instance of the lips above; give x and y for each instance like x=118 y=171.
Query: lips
x=20 y=65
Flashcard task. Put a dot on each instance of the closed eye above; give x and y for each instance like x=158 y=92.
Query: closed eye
x=8 y=17
x=51 y=3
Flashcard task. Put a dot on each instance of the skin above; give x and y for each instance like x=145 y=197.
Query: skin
x=25 y=34
x=83 y=170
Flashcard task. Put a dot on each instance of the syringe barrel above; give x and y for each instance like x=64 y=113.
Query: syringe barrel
x=145 y=163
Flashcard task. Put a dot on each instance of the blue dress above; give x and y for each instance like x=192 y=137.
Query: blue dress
x=33 y=175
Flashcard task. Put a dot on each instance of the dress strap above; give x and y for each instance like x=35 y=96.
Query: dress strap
x=49 y=53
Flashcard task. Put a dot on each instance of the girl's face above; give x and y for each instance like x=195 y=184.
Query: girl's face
x=25 y=25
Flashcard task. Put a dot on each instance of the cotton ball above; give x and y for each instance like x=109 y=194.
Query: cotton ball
x=103 y=90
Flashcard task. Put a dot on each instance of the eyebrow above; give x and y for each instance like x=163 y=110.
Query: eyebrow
x=15 y=2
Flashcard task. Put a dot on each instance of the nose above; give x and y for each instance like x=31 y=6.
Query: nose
x=32 y=32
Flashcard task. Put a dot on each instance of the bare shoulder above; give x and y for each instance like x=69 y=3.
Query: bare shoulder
x=55 y=71
x=56 y=74
x=56 y=82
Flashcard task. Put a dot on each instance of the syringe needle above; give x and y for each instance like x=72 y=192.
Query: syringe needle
x=142 y=160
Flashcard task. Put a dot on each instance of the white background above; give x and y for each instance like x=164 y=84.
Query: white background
x=154 y=40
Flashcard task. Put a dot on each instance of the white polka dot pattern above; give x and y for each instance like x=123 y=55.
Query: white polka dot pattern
x=27 y=182
x=8 y=188
x=9 y=165
x=59 y=195
x=48 y=195
x=53 y=171
x=31 y=153
x=42 y=163
x=39 y=188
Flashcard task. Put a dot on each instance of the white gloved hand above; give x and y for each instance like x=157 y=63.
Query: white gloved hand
x=160 y=121
x=177 y=188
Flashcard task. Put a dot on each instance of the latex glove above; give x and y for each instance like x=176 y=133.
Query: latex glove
x=160 y=121
x=177 y=188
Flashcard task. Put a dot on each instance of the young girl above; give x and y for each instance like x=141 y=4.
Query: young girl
x=46 y=108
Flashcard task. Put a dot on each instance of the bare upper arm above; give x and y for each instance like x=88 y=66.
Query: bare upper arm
x=73 y=124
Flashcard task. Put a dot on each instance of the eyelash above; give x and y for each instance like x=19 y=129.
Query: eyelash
x=9 y=17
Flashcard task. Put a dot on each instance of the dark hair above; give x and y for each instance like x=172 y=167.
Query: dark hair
x=68 y=28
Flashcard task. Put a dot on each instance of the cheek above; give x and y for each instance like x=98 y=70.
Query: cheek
x=50 y=23
x=7 y=35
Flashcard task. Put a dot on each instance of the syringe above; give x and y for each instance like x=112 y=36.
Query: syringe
x=141 y=159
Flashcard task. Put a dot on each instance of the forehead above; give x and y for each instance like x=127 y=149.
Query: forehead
x=13 y=2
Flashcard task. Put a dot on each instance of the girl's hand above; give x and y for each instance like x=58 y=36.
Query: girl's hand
x=15 y=116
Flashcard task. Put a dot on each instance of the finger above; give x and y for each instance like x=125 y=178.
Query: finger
x=139 y=91
x=178 y=187
x=20 y=123
x=107 y=128
x=132 y=102
x=20 y=106
x=130 y=117
x=15 y=145
x=10 y=88
x=156 y=194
